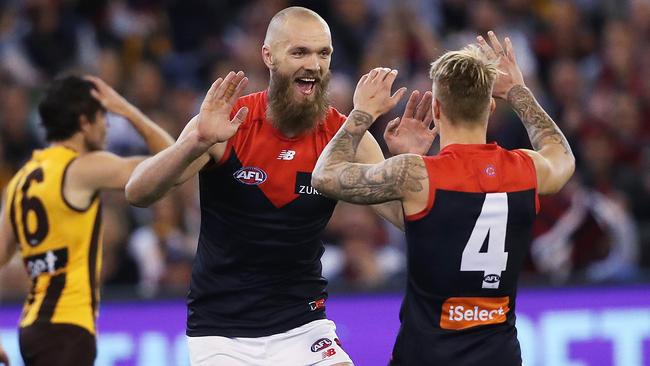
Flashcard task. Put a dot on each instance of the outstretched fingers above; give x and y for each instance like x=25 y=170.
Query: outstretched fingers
x=212 y=92
x=423 y=107
x=395 y=98
x=496 y=45
x=485 y=47
x=391 y=127
x=241 y=86
x=240 y=116
x=411 y=104
x=510 y=52
x=232 y=86
x=226 y=89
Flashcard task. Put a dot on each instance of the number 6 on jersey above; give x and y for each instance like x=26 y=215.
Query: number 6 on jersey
x=491 y=223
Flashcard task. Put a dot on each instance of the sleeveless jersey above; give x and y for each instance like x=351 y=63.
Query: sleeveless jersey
x=465 y=253
x=59 y=243
x=257 y=269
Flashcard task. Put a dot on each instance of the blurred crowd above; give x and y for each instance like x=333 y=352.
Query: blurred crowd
x=587 y=61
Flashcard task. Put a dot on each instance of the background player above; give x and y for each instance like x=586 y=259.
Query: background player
x=52 y=209
x=257 y=294
x=469 y=210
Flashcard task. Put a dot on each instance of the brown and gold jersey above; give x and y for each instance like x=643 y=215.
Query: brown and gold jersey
x=60 y=244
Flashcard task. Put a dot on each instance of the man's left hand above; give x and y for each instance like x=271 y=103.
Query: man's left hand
x=412 y=133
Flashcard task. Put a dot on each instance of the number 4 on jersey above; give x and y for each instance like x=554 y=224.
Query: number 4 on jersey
x=491 y=223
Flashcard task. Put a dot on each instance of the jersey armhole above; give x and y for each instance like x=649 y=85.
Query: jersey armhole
x=212 y=164
x=65 y=200
x=432 y=193
x=533 y=173
x=225 y=156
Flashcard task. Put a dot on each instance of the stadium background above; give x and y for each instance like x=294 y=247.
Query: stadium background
x=585 y=297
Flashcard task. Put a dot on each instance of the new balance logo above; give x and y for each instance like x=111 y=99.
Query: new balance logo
x=286 y=155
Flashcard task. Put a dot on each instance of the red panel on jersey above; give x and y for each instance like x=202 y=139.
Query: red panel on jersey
x=260 y=146
x=478 y=168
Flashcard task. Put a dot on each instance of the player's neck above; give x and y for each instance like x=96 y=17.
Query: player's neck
x=76 y=143
x=461 y=134
x=292 y=132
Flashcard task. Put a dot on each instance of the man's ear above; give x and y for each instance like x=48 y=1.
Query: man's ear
x=437 y=110
x=84 y=123
x=493 y=105
x=267 y=56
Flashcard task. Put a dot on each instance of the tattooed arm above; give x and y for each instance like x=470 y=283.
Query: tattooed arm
x=369 y=152
x=338 y=177
x=553 y=159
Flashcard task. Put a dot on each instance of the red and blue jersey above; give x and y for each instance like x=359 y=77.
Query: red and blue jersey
x=465 y=252
x=257 y=269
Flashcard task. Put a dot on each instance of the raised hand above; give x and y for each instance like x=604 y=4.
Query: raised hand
x=109 y=98
x=373 y=92
x=214 y=124
x=412 y=133
x=510 y=74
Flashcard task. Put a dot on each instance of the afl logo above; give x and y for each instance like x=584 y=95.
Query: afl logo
x=492 y=278
x=490 y=170
x=321 y=344
x=250 y=175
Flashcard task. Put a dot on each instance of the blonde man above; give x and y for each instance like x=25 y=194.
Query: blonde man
x=469 y=210
x=257 y=295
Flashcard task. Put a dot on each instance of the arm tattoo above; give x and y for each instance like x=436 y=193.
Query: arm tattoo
x=361 y=119
x=345 y=143
x=339 y=177
x=540 y=127
x=387 y=181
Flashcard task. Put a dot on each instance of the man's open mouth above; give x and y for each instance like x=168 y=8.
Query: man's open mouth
x=306 y=85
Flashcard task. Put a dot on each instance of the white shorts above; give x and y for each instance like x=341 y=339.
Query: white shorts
x=314 y=343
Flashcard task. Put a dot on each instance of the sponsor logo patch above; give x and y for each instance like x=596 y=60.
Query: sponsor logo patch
x=303 y=185
x=286 y=155
x=48 y=262
x=329 y=353
x=467 y=312
x=318 y=304
x=250 y=175
x=321 y=344
x=490 y=170
x=492 y=278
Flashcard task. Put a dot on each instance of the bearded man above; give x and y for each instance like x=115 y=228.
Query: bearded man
x=257 y=295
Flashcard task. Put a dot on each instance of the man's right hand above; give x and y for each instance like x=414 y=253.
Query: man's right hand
x=510 y=73
x=213 y=121
x=109 y=98
x=372 y=94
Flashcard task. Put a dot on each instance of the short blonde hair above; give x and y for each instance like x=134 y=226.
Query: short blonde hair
x=462 y=82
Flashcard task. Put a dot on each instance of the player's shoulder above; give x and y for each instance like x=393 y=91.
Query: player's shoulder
x=333 y=120
x=253 y=100
x=518 y=157
x=256 y=104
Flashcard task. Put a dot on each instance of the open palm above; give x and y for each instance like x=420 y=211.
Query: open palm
x=412 y=133
x=373 y=92
x=214 y=124
x=510 y=74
